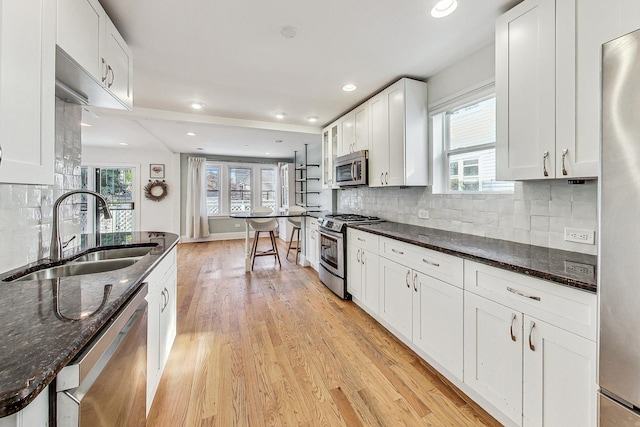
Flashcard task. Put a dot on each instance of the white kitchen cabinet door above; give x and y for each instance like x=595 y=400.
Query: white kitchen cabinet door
x=154 y=306
x=330 y=146
x=36 y=414
x=559 y=377
x=493 y=354
x=525 y=90
x=168 y=316
x=354 y=271
x=379 y=146
x=314 y=252
x=27 y=91
x=438 y=321
x=119 y=63
x=395 y=96
x=370 y=287
x=396 y=296
x=361 y=128
x=80 y=32
x=347 y=131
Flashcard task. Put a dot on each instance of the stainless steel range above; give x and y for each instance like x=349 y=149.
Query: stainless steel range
x=333 y=250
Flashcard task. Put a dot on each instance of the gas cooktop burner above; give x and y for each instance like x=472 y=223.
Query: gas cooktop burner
x=352 y=217
x=338 y=222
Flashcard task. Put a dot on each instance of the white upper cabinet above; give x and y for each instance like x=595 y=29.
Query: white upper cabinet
x=548 y=56
x=330 y=144
x=525 y=91
x=27 y=97
x=398 y=152
x=93 y=58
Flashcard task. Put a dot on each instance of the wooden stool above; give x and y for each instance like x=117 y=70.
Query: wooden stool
x=297 y=248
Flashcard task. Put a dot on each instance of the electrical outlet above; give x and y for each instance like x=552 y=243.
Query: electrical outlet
x=423 y=213
x=579 y=236
x=237 y=225
x=579 y=268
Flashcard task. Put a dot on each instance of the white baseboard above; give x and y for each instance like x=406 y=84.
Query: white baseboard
x=217 y=236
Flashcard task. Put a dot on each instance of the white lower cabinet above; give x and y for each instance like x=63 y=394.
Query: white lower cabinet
x=162 y=321
x=362 y=269
x=35 y=414
x=313 y=241
x=396 y=296
x=532 y=371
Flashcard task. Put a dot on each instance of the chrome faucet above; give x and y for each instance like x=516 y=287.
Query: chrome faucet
x=55 y=252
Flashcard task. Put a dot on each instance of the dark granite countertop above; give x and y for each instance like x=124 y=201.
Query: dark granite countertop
x=568 y=268
x=318 y=214
x=37 y=342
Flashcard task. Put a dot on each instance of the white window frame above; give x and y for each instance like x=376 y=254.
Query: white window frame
x=439 y=115
x=256 y=184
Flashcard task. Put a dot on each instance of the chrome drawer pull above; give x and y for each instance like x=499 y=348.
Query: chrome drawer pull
x=514 y=291
x=362 y=240
x=513 y=319
x=531 y=346
x=397 y=251
x=435 y=264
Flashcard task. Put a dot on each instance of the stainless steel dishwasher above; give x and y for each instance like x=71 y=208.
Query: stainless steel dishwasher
x=105 y=384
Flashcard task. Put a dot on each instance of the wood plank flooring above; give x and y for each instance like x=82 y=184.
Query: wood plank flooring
x=274 y=347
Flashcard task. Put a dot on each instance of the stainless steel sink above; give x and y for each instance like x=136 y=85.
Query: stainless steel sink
x=118 y=253
x=79 y=268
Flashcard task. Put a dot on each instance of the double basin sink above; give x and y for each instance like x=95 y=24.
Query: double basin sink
x=93 y=262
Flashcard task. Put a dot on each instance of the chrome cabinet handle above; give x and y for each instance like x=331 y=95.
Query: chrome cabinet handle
x=382 y=178
x=362 y=257
x=531 y=346
x=113 y=76
x=407 y=279
x=513 y=319
x=517 y=292
x=415 y=282
x=544 y=163
x=105 y=67
x=565 y=151
x=361 y=240
x=358 y=255
x=435 y=264
x=164 y=301
x=386 y=178
x=0 y=154
x=397 y=251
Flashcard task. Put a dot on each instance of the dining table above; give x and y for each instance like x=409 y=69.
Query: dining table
x=247 y=216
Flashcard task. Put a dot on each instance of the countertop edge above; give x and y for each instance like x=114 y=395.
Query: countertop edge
x=17 y=400
x=545 y=275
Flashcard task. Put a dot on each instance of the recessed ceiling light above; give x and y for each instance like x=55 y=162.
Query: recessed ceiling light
x=280 y=116
x=312 y=119
x=288 y=31
x=85 y=124
x=123 y=143
x=349 y=87
x=191 y=134
x=267 y=153
x=245 y=145
x=196 y=105
x=444 y=8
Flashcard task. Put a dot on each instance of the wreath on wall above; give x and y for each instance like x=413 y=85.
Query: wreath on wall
x=155 y=190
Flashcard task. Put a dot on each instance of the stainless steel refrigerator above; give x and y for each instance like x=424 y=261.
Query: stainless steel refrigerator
x=619 y=260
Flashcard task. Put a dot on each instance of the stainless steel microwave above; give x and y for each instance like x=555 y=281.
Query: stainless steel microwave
x=351 y=169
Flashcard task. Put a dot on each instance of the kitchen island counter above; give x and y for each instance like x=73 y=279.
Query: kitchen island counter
x=568 y=268
x=45 y=323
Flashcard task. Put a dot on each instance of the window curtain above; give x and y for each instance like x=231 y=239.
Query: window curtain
x=197 y=218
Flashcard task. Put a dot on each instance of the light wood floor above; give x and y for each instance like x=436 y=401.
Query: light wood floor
x=276 y=348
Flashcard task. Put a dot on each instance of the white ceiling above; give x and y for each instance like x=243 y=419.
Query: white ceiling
x=230 y=55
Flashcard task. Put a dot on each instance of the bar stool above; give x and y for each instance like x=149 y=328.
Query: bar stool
x=263 y=225
x=295 y=221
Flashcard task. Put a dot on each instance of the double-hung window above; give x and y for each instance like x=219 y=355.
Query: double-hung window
x=239 y=187
x=464 y=138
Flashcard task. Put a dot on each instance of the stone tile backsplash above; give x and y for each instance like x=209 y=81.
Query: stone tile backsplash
x=26 y=211
x=536 y=213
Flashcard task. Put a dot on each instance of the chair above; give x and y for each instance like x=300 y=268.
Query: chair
x=295 y=221
x=263 y=225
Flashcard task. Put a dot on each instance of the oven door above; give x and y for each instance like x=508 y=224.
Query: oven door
x=332 y=251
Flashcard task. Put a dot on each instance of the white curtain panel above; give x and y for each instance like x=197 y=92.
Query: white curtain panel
x=197 y=218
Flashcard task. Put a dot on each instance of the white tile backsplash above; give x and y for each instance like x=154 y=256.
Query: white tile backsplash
x=536 y=213
x=26 y=211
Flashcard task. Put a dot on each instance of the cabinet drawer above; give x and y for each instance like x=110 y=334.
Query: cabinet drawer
x=362 y=239
x=444 y=267
x=570 y=309
x=312 y=223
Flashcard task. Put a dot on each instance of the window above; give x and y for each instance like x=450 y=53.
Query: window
x=465 y=137
x=233 y=187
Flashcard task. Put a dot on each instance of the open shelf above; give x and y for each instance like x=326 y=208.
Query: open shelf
x=302 y=179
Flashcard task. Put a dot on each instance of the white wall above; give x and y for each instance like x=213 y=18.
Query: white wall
x=154 y=216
